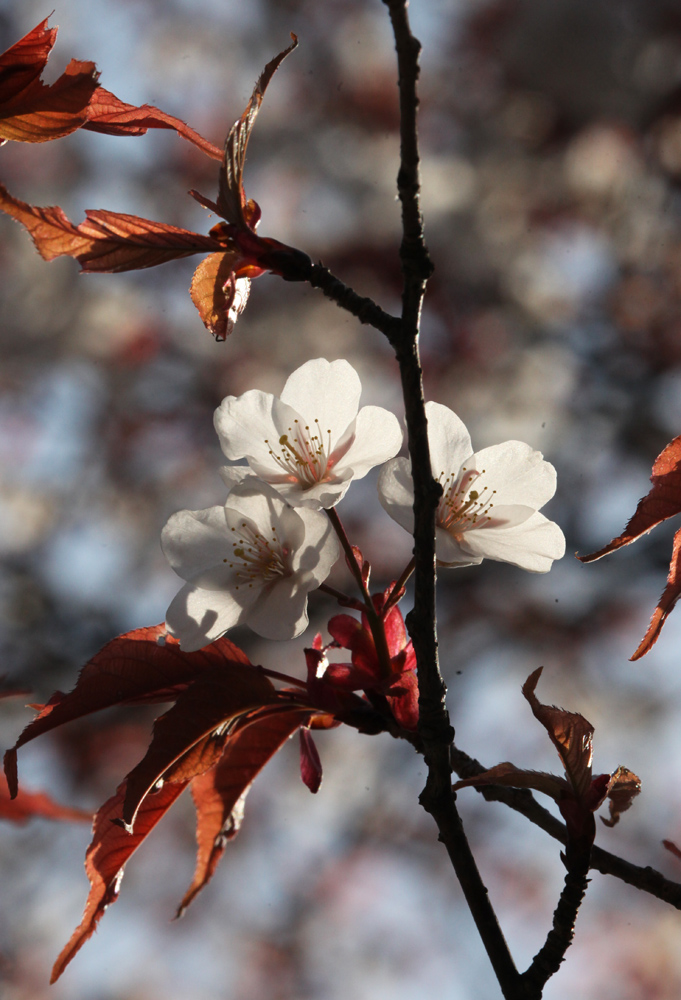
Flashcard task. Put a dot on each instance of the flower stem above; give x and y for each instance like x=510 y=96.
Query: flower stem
x=350 y=556
x=282 y=677
x=343 y=599
x=393 y=596
x=375 y=620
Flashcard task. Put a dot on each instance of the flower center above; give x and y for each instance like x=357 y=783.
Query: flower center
x=303 y=453
x=462 y=507
x=255 y=558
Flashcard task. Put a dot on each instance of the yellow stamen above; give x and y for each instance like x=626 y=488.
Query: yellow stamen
x=257 y=559
x=461 y=507
x=304 y=454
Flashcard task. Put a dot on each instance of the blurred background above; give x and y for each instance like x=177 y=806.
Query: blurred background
x=551 y=141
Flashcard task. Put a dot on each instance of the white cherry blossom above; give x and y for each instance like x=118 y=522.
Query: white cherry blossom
x=313 y=440
x=490 y=501
x=252 y=561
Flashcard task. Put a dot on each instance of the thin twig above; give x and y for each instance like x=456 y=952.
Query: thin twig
x=364 y=309
x=343 y=599
x=350 y=557
x=417 y=266
x=376 y=623
x=434 y=724
x=396 y=592
x=523 y=801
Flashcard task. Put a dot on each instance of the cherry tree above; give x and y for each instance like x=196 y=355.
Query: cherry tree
x=277 y=541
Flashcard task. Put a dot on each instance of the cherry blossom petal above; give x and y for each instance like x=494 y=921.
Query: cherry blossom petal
x=314 y=560
x=377 y=438
x=281 y=610
x=253 y=561
x=396 y=492
x=198 y=617
x=257 y=502
x=233 y=474
x=490 y=498
x=310 y=443
x=448 y=439
x=450 y=552
x=249 y=426
x=521 y=476
x=532 y=545
x=193 y=540
x=321 y=495
x=328 y=391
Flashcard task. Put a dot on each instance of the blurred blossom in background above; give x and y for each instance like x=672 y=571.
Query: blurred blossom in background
x=551 y=141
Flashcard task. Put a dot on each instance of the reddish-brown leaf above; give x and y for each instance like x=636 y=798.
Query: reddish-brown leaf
x=401 y=687
x=359 y=561
x=219 y=793
x=23 y=62
x=310 y=764
x=130 y=669
x=203 y=201
x=106 y=857
x=668 y=599
x=212 y=702
x=28 y=805
x=41 y=113
x=672 y=848
x=106 y=241
x=218 y=294
x=31 y=111
x=113 y=242
x=663 y=501
x=231 y=199
x=107 y=114
x=199 y=757
x=516 y=777
x=623 y=788
x=403 y=698
x=570 y=733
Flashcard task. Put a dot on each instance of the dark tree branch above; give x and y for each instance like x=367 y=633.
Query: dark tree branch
x=434 y=726
x=435 y=739
x=443 y=810
x=435 y=730
x=416 y=264
x=364 y=309
x=647 y=879
x=548 y=959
